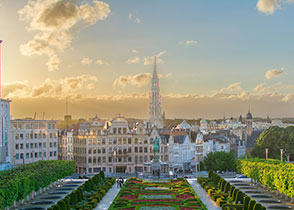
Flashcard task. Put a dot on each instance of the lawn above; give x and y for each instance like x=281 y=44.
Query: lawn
x=138 y=194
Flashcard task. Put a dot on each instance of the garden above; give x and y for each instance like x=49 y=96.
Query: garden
x=138 y=194
x=19 y=182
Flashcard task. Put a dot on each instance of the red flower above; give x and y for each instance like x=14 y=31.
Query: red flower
x=185 y=196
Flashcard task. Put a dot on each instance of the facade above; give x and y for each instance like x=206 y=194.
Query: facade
x=33 y=140
x=65 y=145
x=155 y=113
x=114 y=147
x=5 y=131
x=181 y=151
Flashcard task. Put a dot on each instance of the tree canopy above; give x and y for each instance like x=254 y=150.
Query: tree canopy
x=275 y=138
x=222 y=161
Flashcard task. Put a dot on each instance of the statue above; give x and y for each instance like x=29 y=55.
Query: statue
x=155 y=149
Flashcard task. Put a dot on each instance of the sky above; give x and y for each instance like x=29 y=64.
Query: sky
x=215 y=58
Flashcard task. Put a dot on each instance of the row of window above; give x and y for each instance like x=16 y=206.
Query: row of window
x=110 y=141
x=35 y=145
x=119 y=130
x=20 y=156
x=18 y=126
x=39 y=135
x=137 y=159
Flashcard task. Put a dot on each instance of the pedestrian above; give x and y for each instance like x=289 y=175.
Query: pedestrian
x=117 y=182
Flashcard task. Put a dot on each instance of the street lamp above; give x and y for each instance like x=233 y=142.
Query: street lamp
x=266 y=153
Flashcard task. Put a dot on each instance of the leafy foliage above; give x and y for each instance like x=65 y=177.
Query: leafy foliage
x=272 y=173
x=17 y=183
x=220 y=161
x=275 y=138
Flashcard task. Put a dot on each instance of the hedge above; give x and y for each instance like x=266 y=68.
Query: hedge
x=271 y=173
x=19 y=182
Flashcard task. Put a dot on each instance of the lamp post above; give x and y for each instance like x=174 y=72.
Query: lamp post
x=266 y=153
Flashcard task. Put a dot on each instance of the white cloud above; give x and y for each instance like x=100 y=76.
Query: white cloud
x=188 y=42
x=274 y=73
x=86 y=61
x=101 y=62
x=90 y=86
x=268 y=6
x=133 y=60
x=148 y=60
x=135 y=80
x=134 y=19
x=54 y=22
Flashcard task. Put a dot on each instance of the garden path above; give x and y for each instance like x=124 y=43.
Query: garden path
x=106 y=201
x=203 y=195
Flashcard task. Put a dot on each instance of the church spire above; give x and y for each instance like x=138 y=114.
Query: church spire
x=155 y=114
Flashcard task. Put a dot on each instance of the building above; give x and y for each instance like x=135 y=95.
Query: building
x=181 y=151
x=65 y=145
x=116 y=147
x=33 y=140
x=155 y=114
x=5 y=131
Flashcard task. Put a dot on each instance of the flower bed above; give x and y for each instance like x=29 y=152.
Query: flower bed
x=138 y=194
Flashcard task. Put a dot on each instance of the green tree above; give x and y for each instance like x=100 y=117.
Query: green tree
x=275 y=138
x=222 y=161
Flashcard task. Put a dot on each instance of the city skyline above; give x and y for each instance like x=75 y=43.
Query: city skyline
x=215 y=59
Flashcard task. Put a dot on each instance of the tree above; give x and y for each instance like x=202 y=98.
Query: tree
x=220 y=161
x=275 y=138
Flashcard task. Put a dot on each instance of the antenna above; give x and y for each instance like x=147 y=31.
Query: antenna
x=66 y=107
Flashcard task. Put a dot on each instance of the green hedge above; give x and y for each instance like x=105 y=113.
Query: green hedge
x=17 y=183
x=272 y=173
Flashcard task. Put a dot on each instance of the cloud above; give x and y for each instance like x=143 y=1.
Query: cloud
x=148 y=60
x=188 y=42
x=268 y=6
x=274 y=73
x=45 y=88
x=90 y=86
x=288 y=97
x=261 y=88
x=86 y=61
x=101 y=62
x=133 y=60
x=235 y=87
x=14 y=88
x=54 y=21
x=135 y=80
x=134 y=19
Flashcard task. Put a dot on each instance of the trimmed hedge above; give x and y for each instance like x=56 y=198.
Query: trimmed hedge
x=19 y=182
x=85 y=199
x=271 y=173
x=226 y=195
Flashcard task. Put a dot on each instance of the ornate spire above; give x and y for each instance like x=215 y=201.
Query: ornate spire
x=155 y=69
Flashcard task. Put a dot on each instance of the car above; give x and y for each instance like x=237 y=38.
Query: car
x=240 y=176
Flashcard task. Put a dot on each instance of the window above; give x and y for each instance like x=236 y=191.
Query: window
x=21 y=155
x=27 y=135
x=125 y=141
x=17 y=156
x=90 y=151
x=54 y=144
x=21 y=146
x=141 y=149
x=103 y=159
x=145 y=158
x=124 y=130
x=119 y=141
x=136 y=149
x=44 y=136
x=94 y=150
x=151 y=140
x=145 y=141
x=32 y=155
x=36 y=145
x=40 y=145
x=17 y=146
x=141 y=159
x=109 y=141
x=90 y=160
x=114 y=140
x=27 y=145
x=44 y=154
x=129 y=149
x=109 y=160
x=119 y=130
x=16 y=136
x=50 y=144
x=27 y=155
x=21 y=136
x=44 y=145
x=130 y=159
x=40 y=154
x=99 y=160
x=136 y=141
x=50 y=154
x=145 y=149
x=35 y=136
x=129 y=141
x=114 y=130
x=103 y=141
x=103 y=150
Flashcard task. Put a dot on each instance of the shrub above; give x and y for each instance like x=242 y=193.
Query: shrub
x=56 y=207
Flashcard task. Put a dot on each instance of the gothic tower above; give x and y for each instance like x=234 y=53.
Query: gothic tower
x=155 y=115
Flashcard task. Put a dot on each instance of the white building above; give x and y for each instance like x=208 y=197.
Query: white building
x=33 y=140
x=181 y=152
x=65 y=145
x=4 y=131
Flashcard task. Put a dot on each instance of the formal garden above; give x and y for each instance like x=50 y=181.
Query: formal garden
x=138 y=194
